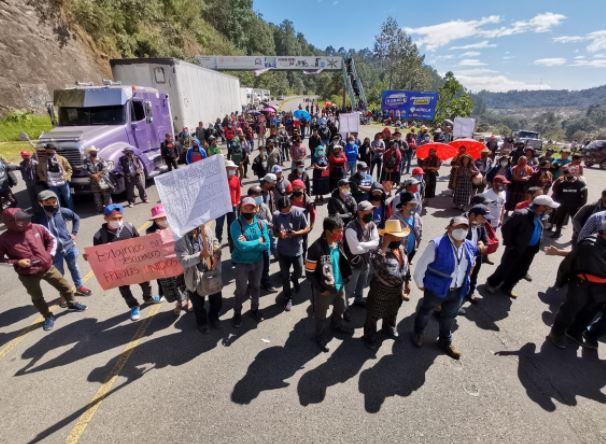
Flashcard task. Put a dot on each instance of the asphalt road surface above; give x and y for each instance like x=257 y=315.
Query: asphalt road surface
x=98 y=377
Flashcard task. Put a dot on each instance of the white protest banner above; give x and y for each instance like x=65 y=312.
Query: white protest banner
x=463 y=127
x=349 y=123
x=195 y=194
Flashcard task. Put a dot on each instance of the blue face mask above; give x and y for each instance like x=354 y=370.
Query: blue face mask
x=419 y=178
x=259 y=200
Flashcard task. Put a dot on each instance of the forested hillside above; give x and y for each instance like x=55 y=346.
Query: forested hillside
x=559 y=98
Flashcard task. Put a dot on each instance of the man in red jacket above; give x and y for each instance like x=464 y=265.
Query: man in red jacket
x=30 y=248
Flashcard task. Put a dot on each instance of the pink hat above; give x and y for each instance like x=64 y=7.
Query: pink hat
x=298 y=183
x=157 y=212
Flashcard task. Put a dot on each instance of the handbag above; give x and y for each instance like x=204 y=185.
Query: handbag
x=211 y=282
x=493 y=241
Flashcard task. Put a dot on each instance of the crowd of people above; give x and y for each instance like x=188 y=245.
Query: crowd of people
x=375 y=198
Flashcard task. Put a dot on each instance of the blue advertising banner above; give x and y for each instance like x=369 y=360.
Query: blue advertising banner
x=419 y=105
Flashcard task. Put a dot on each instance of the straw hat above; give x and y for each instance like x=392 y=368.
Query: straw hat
x=394 y=228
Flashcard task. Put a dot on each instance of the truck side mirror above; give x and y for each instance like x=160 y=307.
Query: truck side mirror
x=50 y=109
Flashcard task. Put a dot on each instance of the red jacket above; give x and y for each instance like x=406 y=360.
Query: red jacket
x=36 y=243
x=234 y=190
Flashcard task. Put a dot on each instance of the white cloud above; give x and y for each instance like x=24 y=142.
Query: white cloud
x=494 y=81
x=568 y=39
x=471 y=62
x=508 y=57
x=591 y=63
x=596 y=39
x=550 y=61
x=474 y=71
x=470 y=54
x=579 y=57
x=480 y=45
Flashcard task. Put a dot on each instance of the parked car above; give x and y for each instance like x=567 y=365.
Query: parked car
x=595 y=154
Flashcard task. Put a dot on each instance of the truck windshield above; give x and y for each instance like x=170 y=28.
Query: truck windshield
x=527 y=135
x=99 y=115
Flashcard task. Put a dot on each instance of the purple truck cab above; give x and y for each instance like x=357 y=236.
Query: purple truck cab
x=110 y=117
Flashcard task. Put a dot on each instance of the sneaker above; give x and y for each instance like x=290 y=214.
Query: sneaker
x=590 y=342
x=558 y=341
x=237 y=319
x=83 y=291
x=417 y=339
x=76 y=306
x=62 y=302
x=130 y=205
x=288 y=305
x=450 y=350
x=391 y=332
x=135 y=314
x=257 y=315
x=154 y=299
x=145 y=201
x=49 y=323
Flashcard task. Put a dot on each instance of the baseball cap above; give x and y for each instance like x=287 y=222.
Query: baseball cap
x=545 y=200
x=128 y=149
x=417 y=171
x=481 y=210
x=405 y=197
x=501 y=179
x=248 y=201
x=459 y=220
x=46 y=194
x=343 y=182
x=276 y=169
x=230 y=164
x=111 y=208
x=365 y=206
x=50 y=146
x=25 y=153
x=480 y=199
x=269 y=177
x=362 y=166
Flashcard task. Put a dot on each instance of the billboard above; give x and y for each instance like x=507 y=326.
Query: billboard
x=253 y=63
x=420 y=105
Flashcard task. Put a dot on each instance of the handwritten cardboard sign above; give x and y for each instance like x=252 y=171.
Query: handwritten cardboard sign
x=135 y=260
x=195 y=194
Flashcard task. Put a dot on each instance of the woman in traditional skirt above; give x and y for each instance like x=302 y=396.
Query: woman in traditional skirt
x=321 y=181
x=431 y=166
x=336 y=166
x=520 y=177
x=454 y=165
x=390 y=283
x=463 y=183
x=173 y=288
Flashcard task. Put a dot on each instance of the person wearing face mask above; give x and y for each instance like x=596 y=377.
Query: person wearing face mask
x=390 y=284
x=172 y=289
x=408 y=215
x=496 y=196
x=55 y=218
x=251 y=240
x=116 y=229
x=290 y=226
x=412 y=186
x=29 y=167
x=342 y=203
x=522 y=238
x=134 y=176
x=283 y=186
x=382 y=211
x=233 y=182
x=351 y=152
x=300 y=199
x=542 y=177
x=443 y=273
x=265 y=214
x=361 y=239
x=328 y=270
x=30 y=248
x=259 y=165
x=418 y=174
x=478 y=216
x=56 y=172
x=336 y=166
x=361 y=182
x=431 y=167
x=520 y=179
x=501 y=168
x=321 y=179
x=571 y=193
x=298 y=173
x=100 y=184
x=391 y=163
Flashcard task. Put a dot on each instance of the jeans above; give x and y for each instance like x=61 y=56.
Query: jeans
x=215 y=301
x=70 y=257
x=321 y=305
x=406 y=162
x=473 y=279
x=65 y=195
x=128 y=295
x=265 y=280
x=248 y=283
x=513 y=267
x=583 y=300
x=377 y=163
x=352 y=167
x=171 y=162
x=297 y=270
x=357 y=282
x=220 y=221
x=53 y=277
x=450 y=308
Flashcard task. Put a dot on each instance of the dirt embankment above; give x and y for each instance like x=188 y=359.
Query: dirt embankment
x=34 y=59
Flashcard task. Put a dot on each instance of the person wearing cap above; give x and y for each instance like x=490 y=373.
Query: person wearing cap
x=407 y=213
x=268 y=183
x=571 y=193
x=361 y=182
x=484 y=165
x=100 y=183
x=496 y=197
x=342 y=203
x=251 y=239
x=213 y=148
x=328 y=270
x=413 y=186
x=584 y=271
x=443 y=273
x=134 y=175
x=116 y=229
x=266 y=215
x=558 y=164
x=337 y=162
x=290 y=226
x=479 y=216
x=29 y=173
x=542 y=177
x=298 y=173
x=56 y=218
x=282 y=186
x=522 y=238
x=55 y=172
x=390 y=283
x=588 y=219
x=195 y=152
x=235 y=189
x=273 y=155
x=168 y=151
x=300 y=199
x=199 y=252
x=30 y=248
x=431 y=167
x=391 y=163
x=361 y=239
x=418 y=174
x=172 y=289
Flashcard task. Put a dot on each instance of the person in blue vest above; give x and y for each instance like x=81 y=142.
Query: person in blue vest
x=443 y=274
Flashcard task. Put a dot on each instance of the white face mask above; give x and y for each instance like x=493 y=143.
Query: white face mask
x=162 y=223
x=115 y=224
x=459 y=234
x=231 y=173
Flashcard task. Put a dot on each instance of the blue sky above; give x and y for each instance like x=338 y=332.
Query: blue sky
x=494 y=45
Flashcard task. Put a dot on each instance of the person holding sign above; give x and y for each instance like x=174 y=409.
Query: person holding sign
x=199 y=252
x=251 y=239
x=116 y=229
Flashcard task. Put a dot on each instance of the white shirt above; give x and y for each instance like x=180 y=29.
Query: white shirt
x=429 y=255
x=496 y=204
x=357 y=247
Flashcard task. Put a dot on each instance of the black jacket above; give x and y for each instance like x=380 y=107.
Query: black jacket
x=518 y=229
x=588 y=257
x=318 y=266
x=345 y=209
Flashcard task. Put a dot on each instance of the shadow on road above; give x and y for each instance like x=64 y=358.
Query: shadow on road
x=492 y=308
x=553 y=298
x=559 y=375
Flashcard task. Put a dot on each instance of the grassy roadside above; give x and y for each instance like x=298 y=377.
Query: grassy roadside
x=12 y=124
